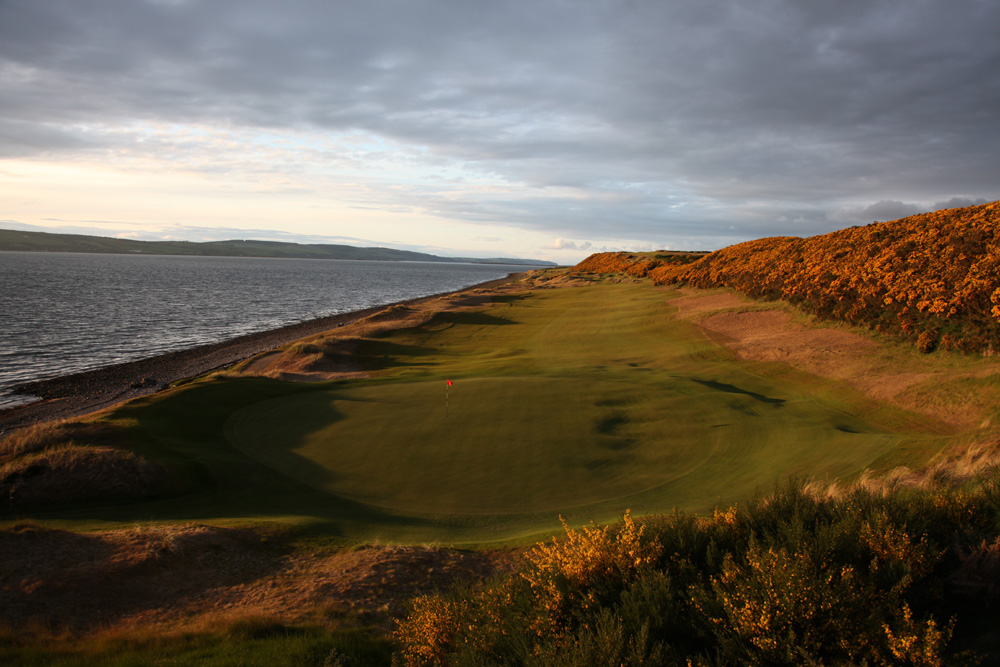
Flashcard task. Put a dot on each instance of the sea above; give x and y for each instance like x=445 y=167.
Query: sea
x=63 y=313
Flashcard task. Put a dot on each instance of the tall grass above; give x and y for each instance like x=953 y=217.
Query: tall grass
x=48 y=463
x=33 y=438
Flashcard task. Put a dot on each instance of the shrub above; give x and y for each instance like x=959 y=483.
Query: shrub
x=927 y=342
x=784 y=580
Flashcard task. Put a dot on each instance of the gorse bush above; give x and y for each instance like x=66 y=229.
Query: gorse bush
x=933 y=278
x=785 y=580
x=639 y=265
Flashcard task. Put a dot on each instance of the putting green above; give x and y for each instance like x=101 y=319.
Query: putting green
x=532 y=444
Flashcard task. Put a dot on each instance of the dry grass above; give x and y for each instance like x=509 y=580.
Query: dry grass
x=952 y=468
x=71 y=473
x=331 y=355
x=198 y=578
x=46 y=463
x=948 y=387
x=34 y=438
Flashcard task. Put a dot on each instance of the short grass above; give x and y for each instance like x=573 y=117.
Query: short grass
x=576 y=402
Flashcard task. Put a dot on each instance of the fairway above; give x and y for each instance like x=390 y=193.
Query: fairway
x=578 y=402
x=582 y=402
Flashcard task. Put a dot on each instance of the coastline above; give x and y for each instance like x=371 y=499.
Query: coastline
x=79 y=394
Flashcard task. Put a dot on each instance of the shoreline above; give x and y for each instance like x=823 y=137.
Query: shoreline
x=79 y=394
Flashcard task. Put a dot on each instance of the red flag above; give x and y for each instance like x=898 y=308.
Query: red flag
x=449 y=382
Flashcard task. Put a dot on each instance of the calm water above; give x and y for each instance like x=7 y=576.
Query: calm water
x=62 y=313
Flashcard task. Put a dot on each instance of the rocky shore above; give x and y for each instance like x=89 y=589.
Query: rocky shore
x=82 y=393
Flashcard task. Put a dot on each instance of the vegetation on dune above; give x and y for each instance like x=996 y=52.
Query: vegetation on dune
x=902 y=579
x=61 y=463
x=636 y=264
x=933 y=278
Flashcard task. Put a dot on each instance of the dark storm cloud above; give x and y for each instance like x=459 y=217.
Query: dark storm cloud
x=694 y=119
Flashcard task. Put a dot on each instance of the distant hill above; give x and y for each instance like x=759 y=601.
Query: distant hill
x=932 y=278
x=15 y=240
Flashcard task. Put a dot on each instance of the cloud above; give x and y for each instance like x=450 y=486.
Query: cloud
x=566 y=244
x=606 y=120
x=879 y=211
x=893 y=210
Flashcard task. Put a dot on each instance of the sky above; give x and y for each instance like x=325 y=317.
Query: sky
x=544 y=129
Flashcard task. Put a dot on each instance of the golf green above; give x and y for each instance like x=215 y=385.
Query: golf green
x=534 y=444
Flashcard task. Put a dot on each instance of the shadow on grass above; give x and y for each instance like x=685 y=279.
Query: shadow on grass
x=185 y=430
x=511 y=298
x=732 y=389
x=375 y=355
x=107 y=577
x=473 y=319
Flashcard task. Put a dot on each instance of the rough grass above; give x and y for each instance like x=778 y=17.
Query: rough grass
x=33 y=438
x=71 y=473
x=46 y=464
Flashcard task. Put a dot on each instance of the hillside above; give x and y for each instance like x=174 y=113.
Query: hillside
x=21 y=241
x=932 y=278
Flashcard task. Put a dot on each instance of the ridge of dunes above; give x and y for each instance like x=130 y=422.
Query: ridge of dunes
x=933 y=278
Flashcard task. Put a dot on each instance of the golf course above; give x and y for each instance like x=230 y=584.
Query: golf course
x=580 y=403
x=336 y=496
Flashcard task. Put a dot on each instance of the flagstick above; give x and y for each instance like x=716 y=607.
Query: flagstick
x=447 y=390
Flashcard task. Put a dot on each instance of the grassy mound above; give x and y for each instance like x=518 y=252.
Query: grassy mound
x=47 y=464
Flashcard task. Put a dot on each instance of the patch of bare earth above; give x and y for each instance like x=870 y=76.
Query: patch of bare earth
x=695 y=303
x=775 y=335
x=193 y=576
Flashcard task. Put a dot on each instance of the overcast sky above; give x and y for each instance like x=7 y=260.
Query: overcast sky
x=535 y=128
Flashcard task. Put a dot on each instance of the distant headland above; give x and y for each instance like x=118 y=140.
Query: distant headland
x=23 y=241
